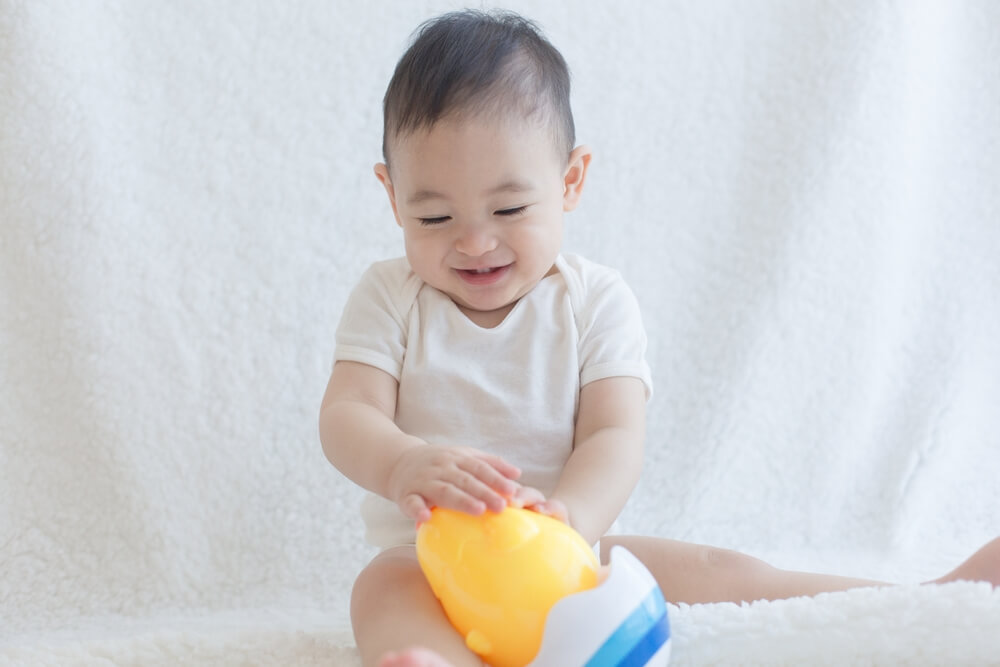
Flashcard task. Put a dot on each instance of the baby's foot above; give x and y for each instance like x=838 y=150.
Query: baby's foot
x=984 y=565
x=413 y=657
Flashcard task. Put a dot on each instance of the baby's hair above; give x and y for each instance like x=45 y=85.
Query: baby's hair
x=472 y=63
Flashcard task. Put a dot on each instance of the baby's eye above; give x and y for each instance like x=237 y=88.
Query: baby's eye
x=434 y=221
x=512 y=211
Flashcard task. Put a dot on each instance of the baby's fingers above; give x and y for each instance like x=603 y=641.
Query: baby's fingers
x=418 y=507
x=484 y=496
x=415 y=507
x=507 y=470
x=553 y=508
x=527 y=496
x=496 y=482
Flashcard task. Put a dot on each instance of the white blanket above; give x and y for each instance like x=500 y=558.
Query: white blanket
x=802 y=194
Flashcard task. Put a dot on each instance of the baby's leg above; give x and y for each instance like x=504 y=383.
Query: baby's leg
x=984 y=565
x=398 y=621
x=694 y=573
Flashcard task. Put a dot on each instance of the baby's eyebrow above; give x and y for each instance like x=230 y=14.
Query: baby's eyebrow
x=512 y=186
x=422 y=196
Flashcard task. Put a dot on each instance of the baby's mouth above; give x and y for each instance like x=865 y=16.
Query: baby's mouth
x=483 y=275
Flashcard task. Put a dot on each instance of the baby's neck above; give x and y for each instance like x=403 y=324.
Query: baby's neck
x=489 y=319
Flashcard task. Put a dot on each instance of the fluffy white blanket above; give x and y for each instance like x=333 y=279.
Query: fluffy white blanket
x=953 y=624
x=802 y=194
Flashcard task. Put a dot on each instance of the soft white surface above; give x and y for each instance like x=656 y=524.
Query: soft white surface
x=803 y=196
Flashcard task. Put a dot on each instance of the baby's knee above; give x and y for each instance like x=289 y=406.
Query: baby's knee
x=721 y=559
x=388 y=575
x=730 y=566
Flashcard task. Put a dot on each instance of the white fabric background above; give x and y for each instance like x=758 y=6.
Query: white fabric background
x=803 y=195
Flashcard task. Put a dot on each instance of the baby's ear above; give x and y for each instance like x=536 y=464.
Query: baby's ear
x=382 y=174
x=575 y=176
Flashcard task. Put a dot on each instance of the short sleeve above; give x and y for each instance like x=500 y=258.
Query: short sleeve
x=612 y=337
x=372 y=328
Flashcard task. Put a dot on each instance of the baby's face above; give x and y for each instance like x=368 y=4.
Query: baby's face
x=481 y=207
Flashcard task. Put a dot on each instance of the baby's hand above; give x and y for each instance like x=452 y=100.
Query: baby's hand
x=535 y=500
x=458 y=478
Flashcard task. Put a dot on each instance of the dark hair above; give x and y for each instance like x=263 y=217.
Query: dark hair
x=476 y=62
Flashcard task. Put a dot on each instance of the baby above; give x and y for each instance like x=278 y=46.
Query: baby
x=487 y=367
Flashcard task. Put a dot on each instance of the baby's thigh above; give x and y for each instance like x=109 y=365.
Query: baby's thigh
x=393 y=573
x=393 y=608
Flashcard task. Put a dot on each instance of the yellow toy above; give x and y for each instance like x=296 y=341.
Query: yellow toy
x=498 y=575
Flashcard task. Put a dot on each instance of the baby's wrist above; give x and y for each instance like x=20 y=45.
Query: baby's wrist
x=394 y=488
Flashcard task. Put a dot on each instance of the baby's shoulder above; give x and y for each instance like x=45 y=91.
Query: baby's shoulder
x=587 y=280
x=394 y=281
x=395 y=270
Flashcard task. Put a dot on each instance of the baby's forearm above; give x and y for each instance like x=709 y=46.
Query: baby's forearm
x=607 y=454
x=598 y=479
x=362 y=443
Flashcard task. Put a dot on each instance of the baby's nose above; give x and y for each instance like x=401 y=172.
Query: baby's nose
x=475 y=240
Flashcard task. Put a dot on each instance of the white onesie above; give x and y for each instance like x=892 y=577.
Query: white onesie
x=512 y=390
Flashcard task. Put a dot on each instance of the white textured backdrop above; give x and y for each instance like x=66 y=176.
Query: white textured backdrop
x=805 y=197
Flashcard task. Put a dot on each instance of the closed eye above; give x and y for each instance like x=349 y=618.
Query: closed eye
x=434 y=221
x=512 y=211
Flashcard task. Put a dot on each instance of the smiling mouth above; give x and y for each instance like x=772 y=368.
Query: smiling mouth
x=484 y=275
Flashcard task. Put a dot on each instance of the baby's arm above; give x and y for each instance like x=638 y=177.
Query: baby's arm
x=607 y=454
x=361 y=439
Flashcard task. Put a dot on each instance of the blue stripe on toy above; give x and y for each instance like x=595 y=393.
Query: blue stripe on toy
x=638 y=637
x=648 y=645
